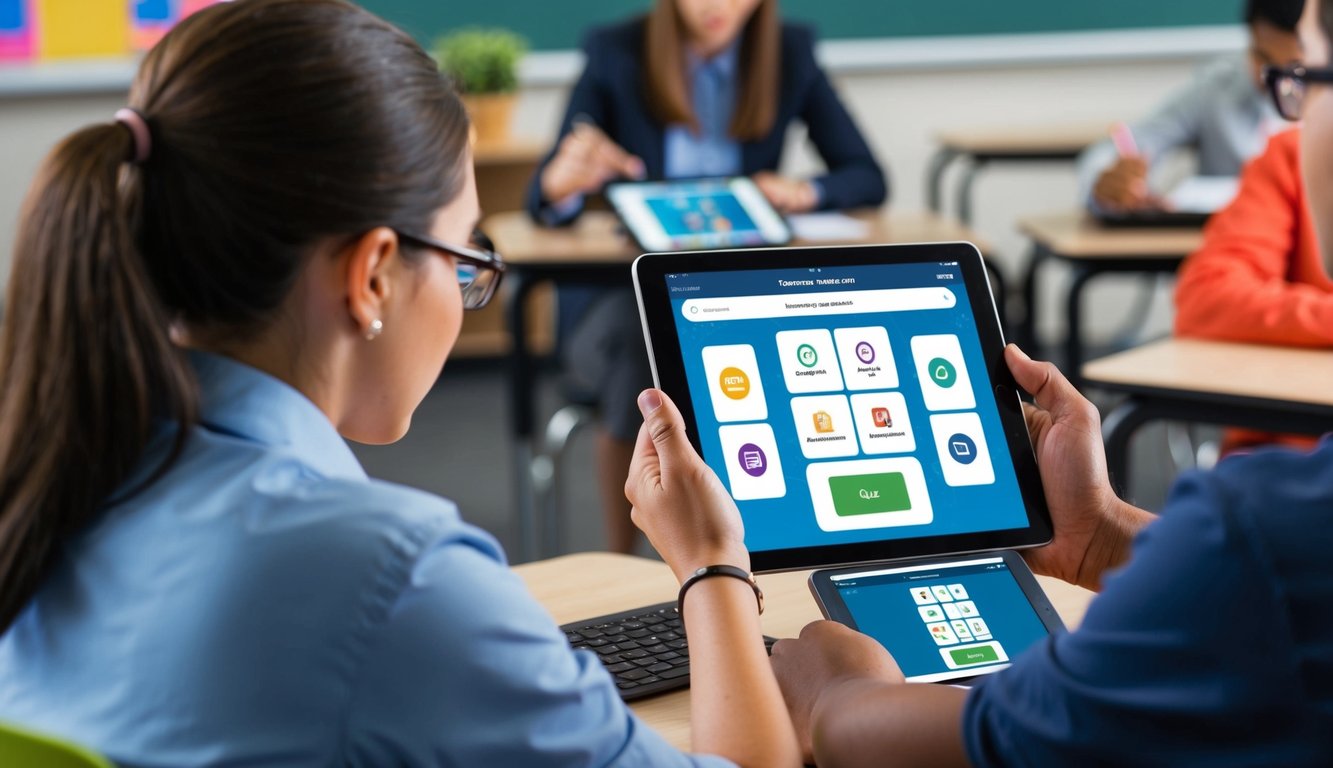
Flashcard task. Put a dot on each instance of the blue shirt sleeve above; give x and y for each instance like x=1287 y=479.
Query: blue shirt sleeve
x=470 y=670
x=1186 y=658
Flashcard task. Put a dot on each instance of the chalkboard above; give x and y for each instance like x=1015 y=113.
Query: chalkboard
x=559 y=24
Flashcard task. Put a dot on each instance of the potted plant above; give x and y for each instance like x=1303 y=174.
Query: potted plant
x=484 y=64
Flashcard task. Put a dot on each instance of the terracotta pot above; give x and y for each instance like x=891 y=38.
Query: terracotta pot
x=491 y=115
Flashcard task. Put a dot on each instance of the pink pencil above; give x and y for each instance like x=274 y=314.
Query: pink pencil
x=1123 y=139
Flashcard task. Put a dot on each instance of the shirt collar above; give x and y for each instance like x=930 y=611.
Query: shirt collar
x=724 y=64
x=247 y=403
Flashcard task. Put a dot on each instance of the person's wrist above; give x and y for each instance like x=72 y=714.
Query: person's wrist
x=1111 y=542
x=685 y=567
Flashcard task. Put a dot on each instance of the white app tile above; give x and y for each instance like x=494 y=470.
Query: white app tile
x=882 y=423
x=978 y=627
x=945 y=383
x=923 y=595
x=961 y=444
x=931 y=613
x=958 y=592
x=819 y=474
x=951 y=610
x=867 y=359
x=808 y=361
x=824 y=426
x=754 y=469
x=960 y=628
x=942 y=592
x=942 y=633
x=733 y=383
x=967 y=609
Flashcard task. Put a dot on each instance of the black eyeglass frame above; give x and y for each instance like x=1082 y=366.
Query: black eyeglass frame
x=1273 y=76
x=484 y=257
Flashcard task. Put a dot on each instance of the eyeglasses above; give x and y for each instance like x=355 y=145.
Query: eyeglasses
x=1288 y=86
x=479 y=266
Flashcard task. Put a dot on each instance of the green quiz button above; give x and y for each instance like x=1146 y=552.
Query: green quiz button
x=979 y=655
x=869 y=494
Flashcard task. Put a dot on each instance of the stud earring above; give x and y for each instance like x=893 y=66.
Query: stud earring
x=375 y=329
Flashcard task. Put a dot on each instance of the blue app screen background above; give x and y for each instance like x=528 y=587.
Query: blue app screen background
x=883 y=607
x=789 y=521
x=697 y=210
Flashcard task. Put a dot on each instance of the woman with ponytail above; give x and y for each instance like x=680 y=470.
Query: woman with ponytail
x=269 y=250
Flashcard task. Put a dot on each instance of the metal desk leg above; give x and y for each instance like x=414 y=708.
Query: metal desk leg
x=939 y=163
x=1074 y=323
x=522 y=376
x=1026 y=332
x=965 y=190
x=1117 y=430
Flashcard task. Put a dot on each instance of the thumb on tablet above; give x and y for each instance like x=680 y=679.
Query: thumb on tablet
x=664 y=428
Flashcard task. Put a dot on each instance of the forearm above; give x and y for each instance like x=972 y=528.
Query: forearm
x=863 y=722
x=736 y=708
x=1111 y=544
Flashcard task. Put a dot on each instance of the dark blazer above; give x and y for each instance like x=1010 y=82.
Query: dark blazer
x=610 y=92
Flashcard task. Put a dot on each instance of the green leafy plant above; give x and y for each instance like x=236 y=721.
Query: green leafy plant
x=482 y=60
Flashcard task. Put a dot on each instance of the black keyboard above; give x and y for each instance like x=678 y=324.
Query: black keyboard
x=644 y=649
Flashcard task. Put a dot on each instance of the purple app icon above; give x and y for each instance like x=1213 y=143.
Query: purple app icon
x=753 y=460
x=865 y=352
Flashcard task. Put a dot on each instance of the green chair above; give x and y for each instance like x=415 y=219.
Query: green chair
x=22 y=748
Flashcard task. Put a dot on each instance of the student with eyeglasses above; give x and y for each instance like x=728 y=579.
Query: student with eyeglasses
x=1211 y=642
x=1259 y=276
x=267 y=252
x=692 y=88
x=1222 y=115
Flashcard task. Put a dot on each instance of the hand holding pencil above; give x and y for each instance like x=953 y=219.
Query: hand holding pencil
x=1124 y=185
x=585 y=161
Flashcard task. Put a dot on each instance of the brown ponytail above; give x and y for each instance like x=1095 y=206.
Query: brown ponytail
x=277 y=125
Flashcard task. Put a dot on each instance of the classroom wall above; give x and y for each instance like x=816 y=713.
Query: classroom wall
x=899 y=111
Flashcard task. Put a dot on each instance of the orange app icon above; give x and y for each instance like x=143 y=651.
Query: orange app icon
x=735 y=384
x=823 y=422
x=882 y=418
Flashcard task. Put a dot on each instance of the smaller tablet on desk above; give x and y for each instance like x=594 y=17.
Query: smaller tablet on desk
x=697 y=214
x=943 y=619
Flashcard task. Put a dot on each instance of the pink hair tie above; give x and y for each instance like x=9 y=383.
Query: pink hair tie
x=143 y=140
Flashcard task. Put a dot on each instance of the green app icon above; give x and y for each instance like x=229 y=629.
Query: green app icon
x=807 y=355
x=942 y=372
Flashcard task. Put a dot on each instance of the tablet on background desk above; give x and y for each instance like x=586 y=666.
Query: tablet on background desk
x=697 y=214
x=854 y=400
x=1190 y=204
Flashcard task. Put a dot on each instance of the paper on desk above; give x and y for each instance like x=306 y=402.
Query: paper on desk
x=817 y=227
x=1203 y=194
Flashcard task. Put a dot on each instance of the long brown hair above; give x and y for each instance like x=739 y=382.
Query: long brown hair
x=276 y=125
x=760 y=67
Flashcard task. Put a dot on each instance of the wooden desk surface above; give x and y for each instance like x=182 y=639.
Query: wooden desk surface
x=1074 y=235
x=597 y=237
x=1018 y=140
x=590 y=584
x=1221 y=368
x=514 y=150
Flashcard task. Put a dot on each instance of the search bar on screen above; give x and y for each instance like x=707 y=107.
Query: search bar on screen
x=808 y=304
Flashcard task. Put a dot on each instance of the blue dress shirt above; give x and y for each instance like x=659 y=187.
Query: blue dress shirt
x=265 y=603
x=1212 y=647
x=711 y=151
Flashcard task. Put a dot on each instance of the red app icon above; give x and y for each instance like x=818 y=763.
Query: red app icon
x=882 y=418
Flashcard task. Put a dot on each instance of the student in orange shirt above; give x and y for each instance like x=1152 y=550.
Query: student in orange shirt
x=1259 y=277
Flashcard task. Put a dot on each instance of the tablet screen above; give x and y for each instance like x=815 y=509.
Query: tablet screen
x=846 y=405
x=942 y=621
x=688 y=215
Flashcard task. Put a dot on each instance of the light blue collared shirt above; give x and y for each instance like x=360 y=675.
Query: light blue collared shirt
x=711 y=151
x=265 y=603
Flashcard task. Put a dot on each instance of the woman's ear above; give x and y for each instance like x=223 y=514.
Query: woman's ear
x=367 y=264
